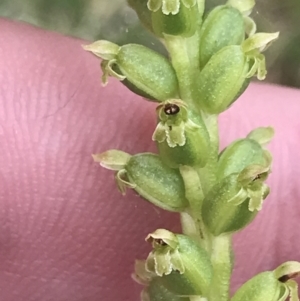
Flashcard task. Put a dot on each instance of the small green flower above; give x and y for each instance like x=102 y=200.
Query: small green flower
x=233 y=202
x=182 y=137
x=184 y=267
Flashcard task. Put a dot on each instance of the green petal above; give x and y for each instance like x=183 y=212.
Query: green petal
x=159 y=134
x=175 y=135
x=170 y=7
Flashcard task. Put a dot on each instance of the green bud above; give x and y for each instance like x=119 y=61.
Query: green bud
x=181 y=135
x=144 y=71
x=222 y=79
x=223 y=26
x=233 y=202
x=148 y=176
x=184 y=267
x=262 y=287
x=174 y=17
x=275 y=285
x=227 y=73
x=240 y=154
x=154 y=181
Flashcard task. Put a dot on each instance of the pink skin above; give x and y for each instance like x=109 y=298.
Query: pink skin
x=65 y=231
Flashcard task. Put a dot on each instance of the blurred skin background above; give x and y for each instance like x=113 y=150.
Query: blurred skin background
x=115 y=21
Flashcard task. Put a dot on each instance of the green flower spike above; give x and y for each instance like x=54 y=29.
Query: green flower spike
x=175 y=17
x=274 y=285
x=141 y=69
x=182 y=137
x=148 y=176
x=182 y=265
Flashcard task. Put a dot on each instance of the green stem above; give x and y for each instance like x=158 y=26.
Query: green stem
x=193 y=227
x=184 y=53
x=221 y=259
x=208 y=174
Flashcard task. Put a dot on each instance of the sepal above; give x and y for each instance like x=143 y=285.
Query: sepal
x=253 y=47
x=112 y=159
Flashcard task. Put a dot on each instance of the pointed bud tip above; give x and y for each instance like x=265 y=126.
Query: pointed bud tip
x=112 y=159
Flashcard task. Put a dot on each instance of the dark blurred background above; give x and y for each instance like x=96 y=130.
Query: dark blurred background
x=114 y=20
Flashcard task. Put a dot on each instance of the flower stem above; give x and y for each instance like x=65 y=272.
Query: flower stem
x=208 y=174
x=221 y=259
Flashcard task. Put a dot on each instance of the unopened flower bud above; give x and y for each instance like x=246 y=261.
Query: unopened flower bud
x=262 y=287
x=275 y=285
x=244 y=152
x=154 y=181
x=226 y=75
x=224 y=26
x=141 y=69
x=222 y=78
